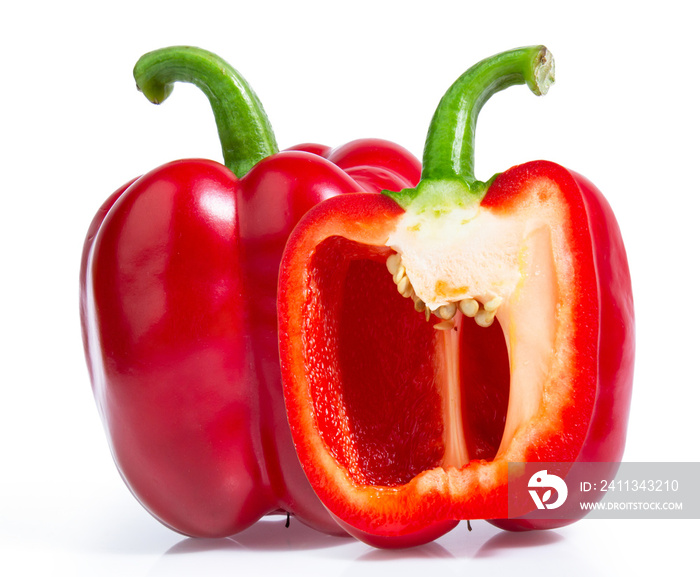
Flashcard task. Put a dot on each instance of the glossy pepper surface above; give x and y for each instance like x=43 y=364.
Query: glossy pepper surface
x=431 y=336
x=178 y=308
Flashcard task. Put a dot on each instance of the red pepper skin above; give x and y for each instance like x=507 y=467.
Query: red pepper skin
x=178 y=293
x=589 y=425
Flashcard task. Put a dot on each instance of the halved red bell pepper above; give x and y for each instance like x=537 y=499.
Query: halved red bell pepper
x=431 y=336
x=178 y=308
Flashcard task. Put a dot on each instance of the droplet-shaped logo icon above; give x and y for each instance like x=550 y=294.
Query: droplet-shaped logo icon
x=543 y=480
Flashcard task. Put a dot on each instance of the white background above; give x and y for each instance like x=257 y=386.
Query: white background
x=624 y=112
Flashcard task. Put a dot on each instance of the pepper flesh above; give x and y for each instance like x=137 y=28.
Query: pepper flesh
x=364 y=374
x=178 y=308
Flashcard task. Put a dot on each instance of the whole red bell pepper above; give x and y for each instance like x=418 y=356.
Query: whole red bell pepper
x=178 y=308
x=431 y=336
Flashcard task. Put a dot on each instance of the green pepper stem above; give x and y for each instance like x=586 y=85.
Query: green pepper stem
x=244 y=129
x=449 y=147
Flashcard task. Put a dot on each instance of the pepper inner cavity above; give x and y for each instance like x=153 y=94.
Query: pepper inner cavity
x=395 y=399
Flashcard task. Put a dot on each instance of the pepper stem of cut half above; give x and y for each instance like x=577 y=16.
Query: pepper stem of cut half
x=448 y=179
x=244 y=129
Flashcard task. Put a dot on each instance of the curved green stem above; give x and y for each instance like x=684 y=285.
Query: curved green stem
x=244 y=129
x=449 y=148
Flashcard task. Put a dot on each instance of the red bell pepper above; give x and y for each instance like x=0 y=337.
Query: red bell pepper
x=178 y=308
x=404 y=427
